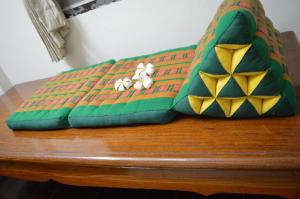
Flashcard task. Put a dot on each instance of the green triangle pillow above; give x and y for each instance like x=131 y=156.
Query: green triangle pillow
x=239 y=68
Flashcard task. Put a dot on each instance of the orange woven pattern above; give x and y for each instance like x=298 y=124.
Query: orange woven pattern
x=170 y=71
x=267 y=32
x=65 y=90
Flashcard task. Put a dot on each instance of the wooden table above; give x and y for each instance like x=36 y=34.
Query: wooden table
x=208 y=156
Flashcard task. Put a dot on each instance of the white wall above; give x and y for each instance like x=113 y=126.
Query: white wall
x=122 y=29
x=284 y=14
x=135 y=27
x=22 y=54
x=5 y=83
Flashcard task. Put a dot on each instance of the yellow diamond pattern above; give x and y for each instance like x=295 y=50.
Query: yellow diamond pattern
x=230 y=55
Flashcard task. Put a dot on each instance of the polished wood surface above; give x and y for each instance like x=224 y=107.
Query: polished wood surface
x=270 y=143
x=245 y=155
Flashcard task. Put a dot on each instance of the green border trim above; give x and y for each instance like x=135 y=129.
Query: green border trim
x=156 y=110
x=41 y=119
x=111 y=61
x=190 y=47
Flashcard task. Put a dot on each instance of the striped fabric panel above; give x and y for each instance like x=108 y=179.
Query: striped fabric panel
x=170 y=71
x=66 y=89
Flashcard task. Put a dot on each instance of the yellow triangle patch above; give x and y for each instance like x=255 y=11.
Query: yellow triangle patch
x=210 y=83
x=269 y=103
x=195 y=103
x=233 y=46
x=253 y=81
x=242 y=82
x=256 y=103
x=225 y=104
x=221 y=83
x=238 y=55
x=236 y=104
x=225 y=57
x=250 y=73
x=206 y=103
x=213 y=75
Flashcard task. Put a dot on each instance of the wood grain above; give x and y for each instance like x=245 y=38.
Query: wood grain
x=200 y=155
x=205 y=182
x=270 y=143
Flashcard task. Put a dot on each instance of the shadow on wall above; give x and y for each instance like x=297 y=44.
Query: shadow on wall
x=79 y=48
x=76 y=56
x=5 y=84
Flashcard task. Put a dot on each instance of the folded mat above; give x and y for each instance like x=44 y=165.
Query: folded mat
x=239 y=68
x=50 y=106
x=104 y=106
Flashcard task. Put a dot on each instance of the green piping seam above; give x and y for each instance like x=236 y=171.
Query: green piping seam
x=190 y=47
x=162 y=103
x=39 y=115
x=111 y=61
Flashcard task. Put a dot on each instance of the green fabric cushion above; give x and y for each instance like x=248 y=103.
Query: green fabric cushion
x=104 y=106
x=50 y=106
x=239 y=68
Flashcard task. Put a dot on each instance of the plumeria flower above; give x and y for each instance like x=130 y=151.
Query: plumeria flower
x=143 y=71
x=123 y=84
x=144 y=82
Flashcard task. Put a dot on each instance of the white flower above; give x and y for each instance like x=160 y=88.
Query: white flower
x=143 y=71
x=123 y=84
x=145 y=82
x=138 y=85
x=136 y=76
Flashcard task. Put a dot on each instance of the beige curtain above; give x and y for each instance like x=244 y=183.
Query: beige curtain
x=51 y=24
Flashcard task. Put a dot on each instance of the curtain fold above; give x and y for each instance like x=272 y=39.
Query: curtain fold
x=51 y=24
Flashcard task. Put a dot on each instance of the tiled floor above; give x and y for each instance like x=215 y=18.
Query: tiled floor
x=19 y=189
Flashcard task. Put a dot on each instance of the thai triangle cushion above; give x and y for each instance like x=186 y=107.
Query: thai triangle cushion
x=239 y=68
x=50 y=105
x=105 y=106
